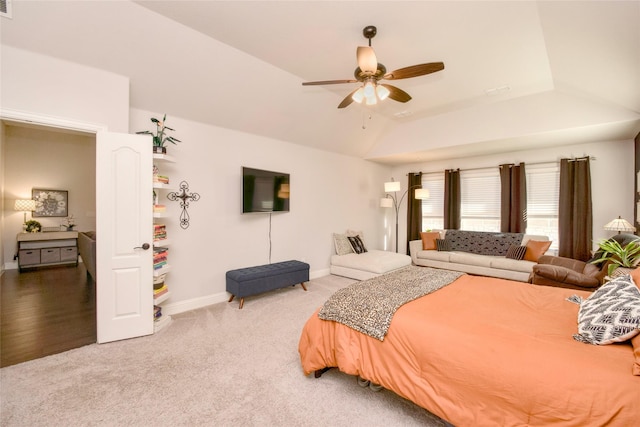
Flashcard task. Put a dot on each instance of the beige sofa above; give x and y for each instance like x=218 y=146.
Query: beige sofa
x=462 y=256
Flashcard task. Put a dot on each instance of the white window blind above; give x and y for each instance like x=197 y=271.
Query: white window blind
x=480 y=197
x=543 y=195
x=433 y=207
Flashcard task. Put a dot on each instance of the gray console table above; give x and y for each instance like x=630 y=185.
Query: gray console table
x=48 y=248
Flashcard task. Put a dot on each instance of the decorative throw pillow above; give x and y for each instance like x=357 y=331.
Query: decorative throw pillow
x=442 y=245
x=516 y=252
x=429 y=240
x=353 y=233
x=610 y=314
x=343 y=247
x=535 y=249
x=357 y=244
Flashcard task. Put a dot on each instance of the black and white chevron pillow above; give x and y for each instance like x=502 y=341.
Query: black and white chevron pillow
x=610 y=314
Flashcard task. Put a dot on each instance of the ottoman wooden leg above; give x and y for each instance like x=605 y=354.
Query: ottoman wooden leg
x=231 y=299
x=303 y=286
x=241 y=303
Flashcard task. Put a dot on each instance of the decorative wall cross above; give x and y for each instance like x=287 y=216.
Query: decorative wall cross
x=184 y=198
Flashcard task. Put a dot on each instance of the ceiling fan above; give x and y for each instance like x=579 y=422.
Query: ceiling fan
x=370 y=72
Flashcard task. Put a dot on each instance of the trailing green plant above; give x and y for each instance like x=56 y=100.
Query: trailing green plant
x=160 y=138
x=619 y=256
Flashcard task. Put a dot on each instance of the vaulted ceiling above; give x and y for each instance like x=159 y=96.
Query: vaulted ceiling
x=517 y=74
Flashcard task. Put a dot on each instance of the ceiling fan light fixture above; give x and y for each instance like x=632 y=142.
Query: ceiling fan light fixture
x=369 y=90
x=358 y=96
x=382 y=92
x=372 y=100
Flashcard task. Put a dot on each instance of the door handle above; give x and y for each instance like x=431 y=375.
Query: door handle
x=144 y=246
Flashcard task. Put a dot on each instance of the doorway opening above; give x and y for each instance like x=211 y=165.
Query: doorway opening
x=50 y=300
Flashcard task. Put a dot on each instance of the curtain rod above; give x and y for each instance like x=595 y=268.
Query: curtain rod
x=573 y=159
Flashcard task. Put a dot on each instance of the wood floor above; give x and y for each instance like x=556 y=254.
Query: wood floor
x=45 y=311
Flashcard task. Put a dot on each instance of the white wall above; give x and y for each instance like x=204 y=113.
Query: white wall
x=329 y=193
x=45 y=86
x=37 y=158
x=612 y=175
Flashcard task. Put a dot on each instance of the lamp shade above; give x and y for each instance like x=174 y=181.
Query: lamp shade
x=422 y=193
x=25 y=205
x=619 y=224
x=386 y=202
x=391 y=187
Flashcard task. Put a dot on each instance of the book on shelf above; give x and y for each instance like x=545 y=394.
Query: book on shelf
x=159 y=208
x=157 y=311
x=159 y=292
x=161 y=179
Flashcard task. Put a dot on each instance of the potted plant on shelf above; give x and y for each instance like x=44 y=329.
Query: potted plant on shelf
x=160 y=138
x=622 y=259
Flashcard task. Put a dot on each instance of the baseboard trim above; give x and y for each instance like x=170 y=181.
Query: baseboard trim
x=200 y=302
x=194 y=303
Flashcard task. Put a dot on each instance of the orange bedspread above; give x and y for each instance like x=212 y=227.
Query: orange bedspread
x=486 y=351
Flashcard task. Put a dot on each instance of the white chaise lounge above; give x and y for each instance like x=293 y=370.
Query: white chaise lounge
x=369 y=263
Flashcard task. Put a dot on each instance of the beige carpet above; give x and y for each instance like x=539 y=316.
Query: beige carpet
x=213 y=366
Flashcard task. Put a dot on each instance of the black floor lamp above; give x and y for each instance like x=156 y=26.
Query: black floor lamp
x=391 y=200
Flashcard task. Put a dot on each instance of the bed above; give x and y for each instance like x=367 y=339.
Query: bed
x=487 y=351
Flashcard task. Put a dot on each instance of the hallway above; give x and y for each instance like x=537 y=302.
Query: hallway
x=45 y=311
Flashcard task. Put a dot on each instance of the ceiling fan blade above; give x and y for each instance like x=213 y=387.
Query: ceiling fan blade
x=348 y=100
x=367 y=60
x=328 y=82
x=414 y=71
x=397 y=94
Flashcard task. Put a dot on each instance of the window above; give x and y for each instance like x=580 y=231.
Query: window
x=480 y=204
x=543 y=194
x=480 y=193
x=433 y=207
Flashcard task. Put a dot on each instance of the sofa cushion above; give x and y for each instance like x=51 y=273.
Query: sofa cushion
x=470 y=259
x=342 y=244
x=512 y=264
x=535 y=249
x=374 y=261
x=516 y=252
x=434 y=255
x=357 y=244
x=482 y=242
x=442 y=245
x=429 y=240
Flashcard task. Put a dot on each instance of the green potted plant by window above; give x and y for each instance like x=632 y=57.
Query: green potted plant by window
x=622 y=259
x=160 y=137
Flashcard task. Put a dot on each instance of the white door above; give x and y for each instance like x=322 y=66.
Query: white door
x=124 y=232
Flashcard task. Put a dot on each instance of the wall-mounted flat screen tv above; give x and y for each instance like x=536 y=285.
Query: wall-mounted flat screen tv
x=264 y=191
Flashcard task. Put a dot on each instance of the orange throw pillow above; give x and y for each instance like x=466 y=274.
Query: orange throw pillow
x=429 y=240
x=635 y=342
x=535 y=249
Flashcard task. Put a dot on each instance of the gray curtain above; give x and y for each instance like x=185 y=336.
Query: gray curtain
x=513 y=198
x=574 y=211
x=452 y=199
x=414 y=208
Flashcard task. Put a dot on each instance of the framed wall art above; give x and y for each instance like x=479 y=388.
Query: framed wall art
x=50 y=202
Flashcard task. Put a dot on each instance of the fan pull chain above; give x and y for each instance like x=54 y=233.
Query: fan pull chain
x=364 y=123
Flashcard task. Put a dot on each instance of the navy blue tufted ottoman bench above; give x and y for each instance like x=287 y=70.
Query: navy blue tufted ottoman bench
x=262 y=278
